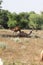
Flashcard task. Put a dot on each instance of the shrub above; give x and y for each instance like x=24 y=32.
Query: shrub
x=3 y=45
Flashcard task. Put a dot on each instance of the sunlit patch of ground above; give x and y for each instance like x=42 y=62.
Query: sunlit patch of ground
x=21 y=51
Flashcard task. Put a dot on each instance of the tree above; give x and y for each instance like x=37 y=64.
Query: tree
x=12 y=24
x=42 y=20
x=31 y=12
x=23 y=19
x=35 y=21
x=0 y=4
x=3 y=18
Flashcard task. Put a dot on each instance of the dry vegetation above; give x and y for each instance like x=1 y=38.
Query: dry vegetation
x=21 y=50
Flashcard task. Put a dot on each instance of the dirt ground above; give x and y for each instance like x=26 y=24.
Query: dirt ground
x=21 y=50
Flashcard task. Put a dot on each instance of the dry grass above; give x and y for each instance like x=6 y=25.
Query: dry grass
x=21 y=51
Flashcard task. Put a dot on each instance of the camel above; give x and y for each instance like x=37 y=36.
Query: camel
x=21 y=33
x=16 y=29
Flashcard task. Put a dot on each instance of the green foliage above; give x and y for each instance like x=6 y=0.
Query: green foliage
x=42 y=20
x=3 y=18
x=35 y=21
x=24 y=23
x=25 y=20
x=0 y=2
x=31 y=12
x=12 y=23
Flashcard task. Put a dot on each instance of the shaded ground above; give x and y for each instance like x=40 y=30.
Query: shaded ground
x=21 y=51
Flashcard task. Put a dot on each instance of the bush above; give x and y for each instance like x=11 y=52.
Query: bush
x=3 y=45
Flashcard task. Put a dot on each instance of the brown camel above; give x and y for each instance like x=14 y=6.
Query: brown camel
x=16 y=29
